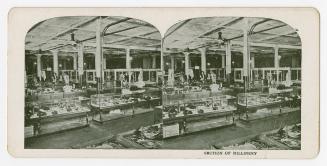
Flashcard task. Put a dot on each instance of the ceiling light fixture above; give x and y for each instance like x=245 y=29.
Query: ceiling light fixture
x=220 y=39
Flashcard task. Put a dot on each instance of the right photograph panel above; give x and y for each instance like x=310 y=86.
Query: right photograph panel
x=231 y=83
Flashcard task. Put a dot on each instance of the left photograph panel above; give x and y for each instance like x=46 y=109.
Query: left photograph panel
x=93 y=83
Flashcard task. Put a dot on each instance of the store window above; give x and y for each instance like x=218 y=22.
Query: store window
x=89 y=62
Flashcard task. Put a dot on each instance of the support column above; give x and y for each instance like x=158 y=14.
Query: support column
x=228 y=69
x=38 y=66
x=245 y=55
x=55 y=62
x=172 y=63
x=187 y=62
x=222 y=66
x=128 y=63
x=252 y=67
x=276 y=62
x=203 y=60
x=171 y=72
x=80 y=60
x=253 y=61
x=154 y=65
x=98 y=53
x=162 y=67
x=104 y=62
x=223 y=61
x=128 y=59
x=75 y=62
x=80 y=65
x=276 y=57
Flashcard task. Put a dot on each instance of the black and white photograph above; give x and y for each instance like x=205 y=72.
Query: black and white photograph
x=93 y=82
x=232 y=83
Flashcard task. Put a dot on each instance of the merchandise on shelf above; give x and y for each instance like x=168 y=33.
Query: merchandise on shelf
x=110 y=100
x=289 y=135
x=200 y=106
x=104 y=100
x=149 y=136
x=58 y=107
x=256 y=99
x=253 y=144
x=106 y=145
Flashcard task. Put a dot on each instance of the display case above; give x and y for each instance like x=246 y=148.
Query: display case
x=52 y=93
x=200 y=108
x=112 y=100
x=256 y=99
x=188 y=93
x=112 y=106
x=60 y=109
x=109 y=100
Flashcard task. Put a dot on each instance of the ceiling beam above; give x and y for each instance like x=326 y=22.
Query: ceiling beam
x=155 y=44
x=240 y=36
x=134 y=23
x=271 y=28
x=93 y=37
x=110 y=33
x=177 y=27
x=68 y=30
x=288 y=35
x=216 y=28
x=140 y=35
x=221 y=26
x=35 y=26
x=135 y=37
x=277 y=35
x=267 y=45
x=66 y=27
x=125 y=47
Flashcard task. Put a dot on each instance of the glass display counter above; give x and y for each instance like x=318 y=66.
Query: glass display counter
x=112 y=106
x=199 y=108
x=60 y=108
x=188 y=93
x=48 y=94
x=256 y=99
x=109 y=100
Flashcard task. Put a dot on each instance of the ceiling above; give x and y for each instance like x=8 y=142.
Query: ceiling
x=203 y=32
x=55 y=33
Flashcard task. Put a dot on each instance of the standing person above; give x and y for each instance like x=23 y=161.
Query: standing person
x=87 y=118
x=280 y=109
x=213 y=77
x=35 y=128
x=181 y=77
x=60 y=78
x=184 y=126
x=121 y=79
x=66 y=79
x=181 y=128
x=133 y=110
x=43 y=76
x=202 y=77
x=54 y=80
